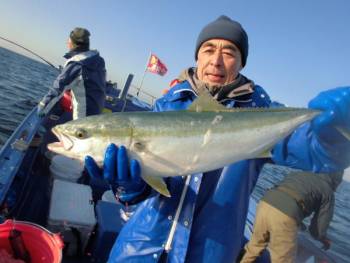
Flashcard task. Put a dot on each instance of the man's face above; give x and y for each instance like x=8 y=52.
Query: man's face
x=219 y=62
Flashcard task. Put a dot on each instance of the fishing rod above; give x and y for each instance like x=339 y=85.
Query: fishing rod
x=32 y=52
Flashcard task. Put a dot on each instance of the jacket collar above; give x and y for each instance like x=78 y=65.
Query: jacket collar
x=241 y=89
x=180 y=91
x=79 y=56
x=75 y=51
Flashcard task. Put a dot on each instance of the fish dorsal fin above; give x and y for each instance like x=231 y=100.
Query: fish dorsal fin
x=205 y=102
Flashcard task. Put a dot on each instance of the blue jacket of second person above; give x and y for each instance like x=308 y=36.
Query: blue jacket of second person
x=204 y=219
x=84 y=74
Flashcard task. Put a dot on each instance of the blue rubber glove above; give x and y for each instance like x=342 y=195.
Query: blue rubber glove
x=335 y=104
x=124 y=179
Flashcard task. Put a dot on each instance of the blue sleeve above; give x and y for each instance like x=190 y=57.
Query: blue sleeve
x=303 y=150
x=179 y=97
x=157 y=105
x=66 y=77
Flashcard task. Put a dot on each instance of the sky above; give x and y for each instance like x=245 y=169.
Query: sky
x=296 y=48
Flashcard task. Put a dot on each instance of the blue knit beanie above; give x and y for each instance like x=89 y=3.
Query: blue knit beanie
x=225 y=28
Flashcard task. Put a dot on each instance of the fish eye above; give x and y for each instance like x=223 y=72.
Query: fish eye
x=81 y=134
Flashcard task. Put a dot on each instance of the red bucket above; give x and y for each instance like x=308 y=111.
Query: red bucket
x=42 y=245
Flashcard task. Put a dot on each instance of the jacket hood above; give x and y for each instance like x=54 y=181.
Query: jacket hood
x=90 y=59
x=75 y=51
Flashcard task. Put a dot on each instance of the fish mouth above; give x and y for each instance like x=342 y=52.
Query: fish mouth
x=64 y=142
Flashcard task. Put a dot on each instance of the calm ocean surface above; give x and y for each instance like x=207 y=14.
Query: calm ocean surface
x=24 y=81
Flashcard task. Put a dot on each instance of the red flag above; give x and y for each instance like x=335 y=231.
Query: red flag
x=156 y=66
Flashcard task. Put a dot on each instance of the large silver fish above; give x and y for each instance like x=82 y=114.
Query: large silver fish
x=205 y=137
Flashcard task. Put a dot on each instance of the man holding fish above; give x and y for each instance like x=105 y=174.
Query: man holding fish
x=201 y=217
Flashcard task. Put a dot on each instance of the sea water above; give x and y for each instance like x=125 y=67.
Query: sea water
x=23 y=82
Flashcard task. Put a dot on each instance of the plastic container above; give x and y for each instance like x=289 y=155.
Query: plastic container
x=108 y=196
x=42 y=245
x=71 y=210
x=65 y=168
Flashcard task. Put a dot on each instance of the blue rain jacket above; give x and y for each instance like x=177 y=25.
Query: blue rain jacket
x=84 y=74
x=210 y=223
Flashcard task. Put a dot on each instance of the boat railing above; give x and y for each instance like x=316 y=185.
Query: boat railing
x=14 y=150
x=129 y=92
x=142 y=95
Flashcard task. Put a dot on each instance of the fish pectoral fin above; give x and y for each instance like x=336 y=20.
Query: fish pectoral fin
x=265 y=154
x=158 y=184
x=205 y=102
x=343 y=132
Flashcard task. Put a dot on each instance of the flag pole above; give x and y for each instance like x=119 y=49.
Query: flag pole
x=144 y=74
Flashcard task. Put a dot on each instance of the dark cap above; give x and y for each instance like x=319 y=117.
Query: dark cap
x=228 y=29
x=80 y=36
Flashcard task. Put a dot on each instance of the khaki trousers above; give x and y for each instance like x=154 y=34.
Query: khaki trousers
x=276 y=230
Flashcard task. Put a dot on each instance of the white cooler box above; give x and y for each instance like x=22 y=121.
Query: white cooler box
x=65 y=168
x=71 y=207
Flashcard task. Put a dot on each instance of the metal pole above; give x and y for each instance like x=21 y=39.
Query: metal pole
x=126 y=87
x=139 y=89
x=125 y=90
x=144 y=74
